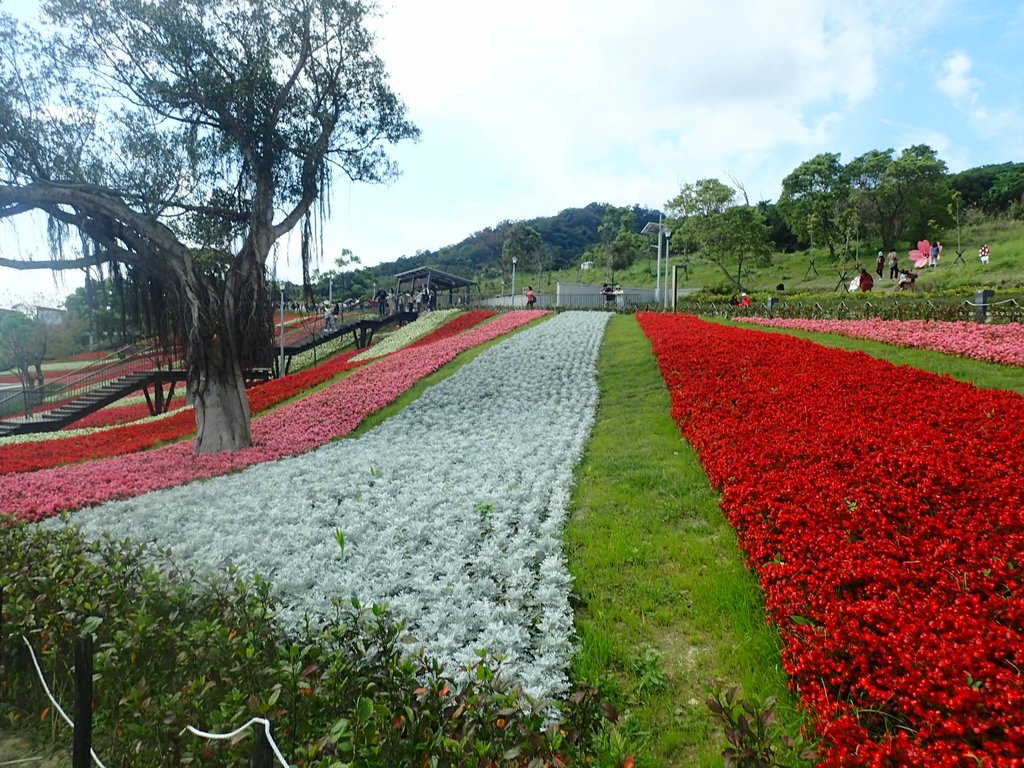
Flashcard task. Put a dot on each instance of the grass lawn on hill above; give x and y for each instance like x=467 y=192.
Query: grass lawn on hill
x=1004 y=273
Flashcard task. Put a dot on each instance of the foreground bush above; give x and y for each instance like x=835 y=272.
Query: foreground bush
x=174 y=650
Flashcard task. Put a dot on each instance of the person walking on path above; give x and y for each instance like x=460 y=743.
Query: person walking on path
x=531 y=297
x=894 y=265
x=880 y=264
x=382 y=302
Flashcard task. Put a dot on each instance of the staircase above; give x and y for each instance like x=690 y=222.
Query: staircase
x=99 y=397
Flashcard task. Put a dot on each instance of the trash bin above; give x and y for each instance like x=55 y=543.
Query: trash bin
x=981 y=301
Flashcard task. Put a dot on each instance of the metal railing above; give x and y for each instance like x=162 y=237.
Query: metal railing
x=33 y=404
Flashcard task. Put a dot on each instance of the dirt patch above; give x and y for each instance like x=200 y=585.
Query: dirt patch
x=18 y=752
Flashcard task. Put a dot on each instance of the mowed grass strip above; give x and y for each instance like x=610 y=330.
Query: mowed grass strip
x=665 y=602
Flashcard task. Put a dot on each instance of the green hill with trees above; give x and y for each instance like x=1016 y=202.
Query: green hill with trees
x=830 y=216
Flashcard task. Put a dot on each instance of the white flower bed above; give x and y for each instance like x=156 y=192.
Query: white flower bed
x=320 y=353
x=425 y=323
x=452 y=511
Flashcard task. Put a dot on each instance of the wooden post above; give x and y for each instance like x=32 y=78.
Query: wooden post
x=262 y=754
x=82 y=746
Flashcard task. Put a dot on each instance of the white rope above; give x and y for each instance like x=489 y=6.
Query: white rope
x=53 y=701
x=990 y=303
x=224 y=736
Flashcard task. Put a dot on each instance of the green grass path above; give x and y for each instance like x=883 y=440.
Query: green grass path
x=664 y=600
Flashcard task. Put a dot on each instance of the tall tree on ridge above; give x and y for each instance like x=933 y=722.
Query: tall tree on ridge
x=815 y=194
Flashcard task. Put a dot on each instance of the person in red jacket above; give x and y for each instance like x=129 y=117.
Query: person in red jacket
x=866 y=281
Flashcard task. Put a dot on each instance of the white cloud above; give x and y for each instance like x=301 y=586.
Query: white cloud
x=956 y=81
x=533 y=106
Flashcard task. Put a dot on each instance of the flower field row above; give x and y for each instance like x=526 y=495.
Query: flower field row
x=63 y=448
x=69 y=432
x=120 y=413
x=451 y=511
x=890 y=547
x=401 y=337
x=16 y=457
x=996 y=343
x=289 y=430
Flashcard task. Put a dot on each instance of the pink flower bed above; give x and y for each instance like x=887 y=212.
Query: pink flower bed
x=292 y=429
x=1003 y=343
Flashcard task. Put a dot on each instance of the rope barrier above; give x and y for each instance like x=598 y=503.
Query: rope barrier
x=42 y=679
x=225 y=736
x=990 y=303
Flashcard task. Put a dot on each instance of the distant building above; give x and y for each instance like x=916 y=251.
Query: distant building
x=50 y=315
x=586 y=265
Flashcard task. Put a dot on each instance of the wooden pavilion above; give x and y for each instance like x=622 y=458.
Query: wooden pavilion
x=415 y=280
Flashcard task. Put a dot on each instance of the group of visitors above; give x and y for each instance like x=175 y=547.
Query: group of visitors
x=904 y=278
x=390 y=302
x=610 y=292
x=741 y=302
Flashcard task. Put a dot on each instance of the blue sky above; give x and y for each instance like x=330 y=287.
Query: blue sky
x=530 y=107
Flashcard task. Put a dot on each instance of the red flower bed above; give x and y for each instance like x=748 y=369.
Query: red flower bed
x=883 y=510
x=328 y=413
x=48 y=375
x=114 y=415
x=456 y=325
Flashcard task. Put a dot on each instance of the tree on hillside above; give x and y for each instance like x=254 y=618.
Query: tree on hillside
x=189 y=137
x=900 y=196
x=707 y=216
x=1006 y=195
x=522 y=243
x=22 y=347
x=974 y=183
x=813 y=198
x=621 y=244
x=335 y=284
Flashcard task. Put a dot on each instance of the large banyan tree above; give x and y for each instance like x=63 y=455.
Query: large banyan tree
x=184 y=138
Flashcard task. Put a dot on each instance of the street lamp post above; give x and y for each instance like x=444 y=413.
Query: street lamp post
x=666 y=234
x=514 y=262
x=650 y=228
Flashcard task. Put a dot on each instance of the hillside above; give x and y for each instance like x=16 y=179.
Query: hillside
x=570 y=233
x=565 y=236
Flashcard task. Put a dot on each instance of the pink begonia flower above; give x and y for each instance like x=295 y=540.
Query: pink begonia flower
x=292 y=429
x=1000 y=343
